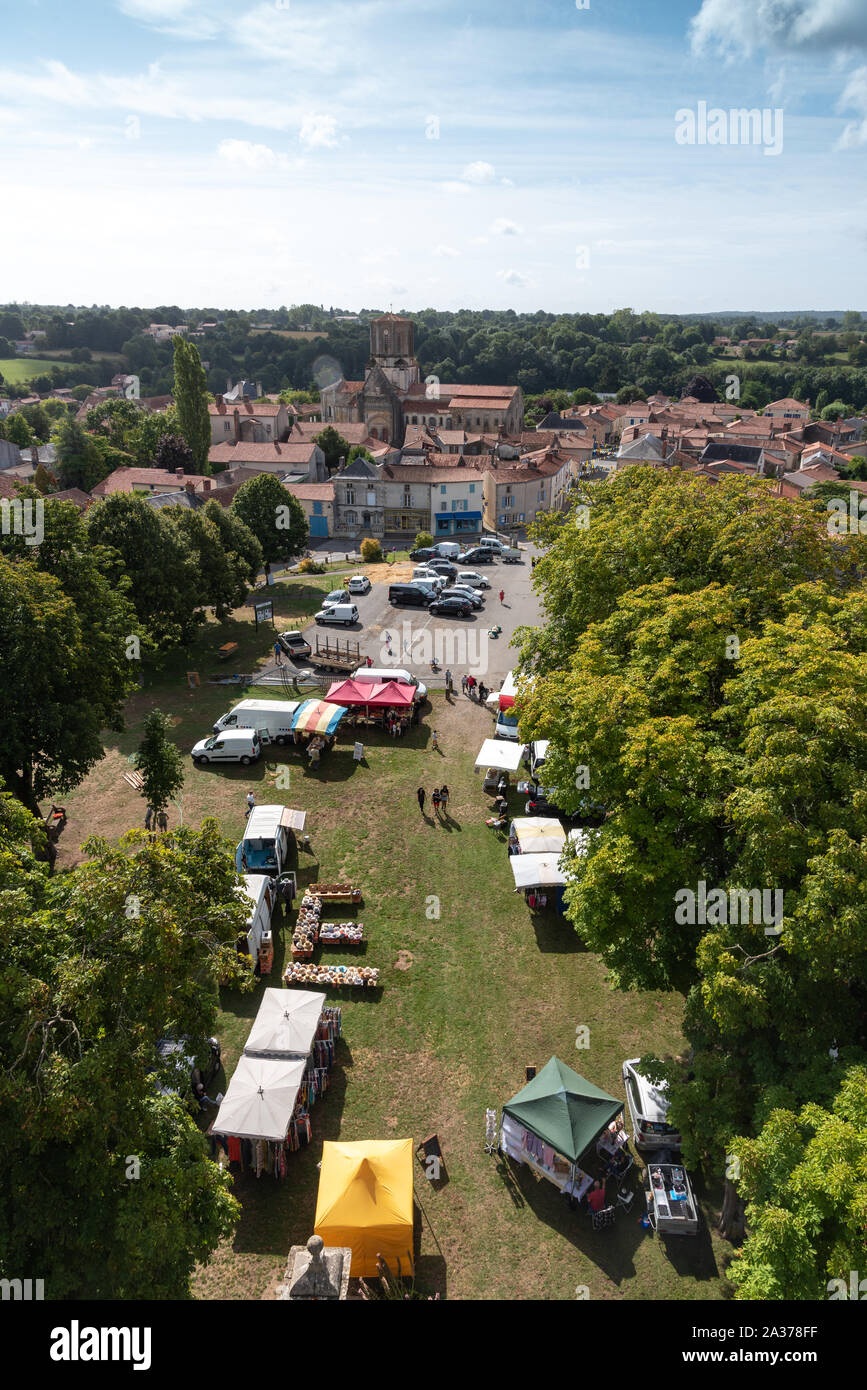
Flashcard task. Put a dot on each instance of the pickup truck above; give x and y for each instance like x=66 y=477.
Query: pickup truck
x=295 y=645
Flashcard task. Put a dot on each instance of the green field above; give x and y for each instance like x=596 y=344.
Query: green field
x=476 y=987
x=16 y=370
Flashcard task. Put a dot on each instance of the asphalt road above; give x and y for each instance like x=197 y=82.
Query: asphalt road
x=462 y=645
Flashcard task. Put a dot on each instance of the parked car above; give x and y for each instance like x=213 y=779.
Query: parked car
x=507 y=725
x=460 y=591
x=424 y=572
x=475 y=581
x=541 y=802
x=425 y=552
x=359 y=584
x=648 y=1105
x=428 y=587
x=491 y=543
x=535 y=755
x=295 y=645
x=232 y=746
x=477 y=555
x=336 y=596
x=272 y=718
x=444 y=567
x=341 y=614
x=407 y=595
x=452 y=607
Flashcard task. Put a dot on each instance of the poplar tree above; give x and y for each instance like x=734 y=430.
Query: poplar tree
x=191 y=402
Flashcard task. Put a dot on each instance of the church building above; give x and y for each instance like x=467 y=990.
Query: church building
x=393 y=396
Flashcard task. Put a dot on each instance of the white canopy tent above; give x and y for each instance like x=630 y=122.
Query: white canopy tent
x=539 y=834
x=537 y=871
x=261 y=1096
x=496 y=752
x=286 y=1023
x=493 y=700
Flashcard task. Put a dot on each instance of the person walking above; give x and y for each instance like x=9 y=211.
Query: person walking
x=369 y=662
x=449 y=681
x=149 y=815
x=471 y=686
x=483 y=692
x=421 y=795
x=444 y=797
x=278 y=654
x=502 y=595
x=464 y=684
x=435 y=799
x=434 y=742
x=251 y=802
x=162 y=821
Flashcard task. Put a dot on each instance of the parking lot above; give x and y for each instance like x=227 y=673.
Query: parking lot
x=461 y=644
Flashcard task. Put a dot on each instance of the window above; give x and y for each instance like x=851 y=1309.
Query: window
x=472 y=487
x=350 y=496
x=442 y=487
x=351 y=519
x=366 y=518
x=317 y=508
x=415 y=419
x=443 y=506
x=227 y=425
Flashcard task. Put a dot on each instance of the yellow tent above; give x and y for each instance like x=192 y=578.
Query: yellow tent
x=365 y=1202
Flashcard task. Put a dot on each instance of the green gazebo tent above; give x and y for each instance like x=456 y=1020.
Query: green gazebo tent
x=563 y=1109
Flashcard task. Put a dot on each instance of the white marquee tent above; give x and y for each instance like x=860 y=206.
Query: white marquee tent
x=286 y=1023
x=261 y=1096
x=539 y=834
x=537 y=871
x=501 y=754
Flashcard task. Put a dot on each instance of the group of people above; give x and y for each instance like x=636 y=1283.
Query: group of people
x=156 y=820
x=395 y=724
x=439 y=799
x=476 y=690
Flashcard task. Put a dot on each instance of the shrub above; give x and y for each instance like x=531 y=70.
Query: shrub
x=423 y=541
x=311 y=567
x=371 y=550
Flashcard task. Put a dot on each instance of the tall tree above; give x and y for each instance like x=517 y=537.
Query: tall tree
x=333 y=446
x=160 y=762
x=191 y=402
x=274 y=516
x=173 y=452
x=79 y=462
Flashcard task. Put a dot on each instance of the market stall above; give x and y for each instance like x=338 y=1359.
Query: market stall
x=311 y=931
x=365 y=1201
x=383 y=702
x=331 y=976
x=538 y=835
x=553 y=1121
x=499 y=754
x=265 y=1113
x=318 y=720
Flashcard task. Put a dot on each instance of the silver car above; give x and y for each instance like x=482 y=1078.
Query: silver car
x=648 y=1106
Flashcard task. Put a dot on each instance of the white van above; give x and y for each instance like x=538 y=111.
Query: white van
x=375 y=674
x=231 y=746
x=422 y=572
x=260 y=895
x=491 y=543
x=272 y=718
x=343 y=614
x=449 y=550
x=269 y=836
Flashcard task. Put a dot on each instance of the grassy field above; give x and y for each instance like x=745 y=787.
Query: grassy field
x=15 y=370
x=471 y=996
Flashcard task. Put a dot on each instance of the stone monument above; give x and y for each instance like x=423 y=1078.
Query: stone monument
x=316 y=1273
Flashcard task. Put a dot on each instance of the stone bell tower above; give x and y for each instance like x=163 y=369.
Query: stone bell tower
x=392 y=349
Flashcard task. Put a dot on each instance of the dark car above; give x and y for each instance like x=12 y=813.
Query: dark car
x=454 y=607
x=444 y=567
x=475 y=601
x=294 y=645
x=425 y=552
x=409 y=595
x=479 y=555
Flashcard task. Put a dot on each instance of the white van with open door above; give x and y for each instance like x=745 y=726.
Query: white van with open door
x=270 y=717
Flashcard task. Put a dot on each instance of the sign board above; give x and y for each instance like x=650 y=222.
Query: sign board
x=264 y=612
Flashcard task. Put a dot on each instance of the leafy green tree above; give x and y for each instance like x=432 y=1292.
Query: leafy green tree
x=333 y=446
x=371 y=551
x=63 y=631
x=173 y=452
x=100 y=963
x=117 y=419
x=358 y=451
x=146 y=548
x=221 y=575
x=18 y=431
x=143 y=443
x=423 y=541
x=274 y=516
x=43 y=480
x=835 y=410
x=191 y=402
x=627 y=394
x=79 y=461
x=160 y=762
x=237 y=540
x=38 y=420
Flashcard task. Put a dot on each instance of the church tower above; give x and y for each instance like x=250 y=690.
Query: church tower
x=392 y=349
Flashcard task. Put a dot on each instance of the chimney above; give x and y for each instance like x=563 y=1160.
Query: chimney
x=207 y=484
x=190 y=487
x=179 y=472
x=245 y=398
x=34 y=453
x=219 y=400
x=237 y=430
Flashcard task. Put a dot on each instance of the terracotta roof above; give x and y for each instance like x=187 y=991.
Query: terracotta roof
x=269 y=452
x=81 y=499
x=425 y=473
x=311 y=492
x=481 y=403
x=252 y=408
x=128 y=479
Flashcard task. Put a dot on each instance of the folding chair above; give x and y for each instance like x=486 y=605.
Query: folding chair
x=603 y=1218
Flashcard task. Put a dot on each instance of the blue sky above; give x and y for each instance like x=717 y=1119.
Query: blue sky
x=422 y=152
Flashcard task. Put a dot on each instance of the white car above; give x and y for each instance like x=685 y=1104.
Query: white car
x=358 y=584
x=648 y=1107
x=475 y=581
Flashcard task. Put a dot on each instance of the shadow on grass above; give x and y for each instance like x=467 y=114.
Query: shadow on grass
x=556 y=934
x=612 y=1249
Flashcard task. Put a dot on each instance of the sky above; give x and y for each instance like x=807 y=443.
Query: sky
x=523 y=154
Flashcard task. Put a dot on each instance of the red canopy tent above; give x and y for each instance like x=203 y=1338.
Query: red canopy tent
x=389 y=695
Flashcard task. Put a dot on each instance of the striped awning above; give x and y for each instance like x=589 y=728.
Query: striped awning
x=317 y=717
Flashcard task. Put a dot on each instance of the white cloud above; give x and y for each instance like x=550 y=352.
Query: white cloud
x=153 y=10
x=246 y=153
x=478 y=241
x=318 y=132
x=507 y=183
x=743 y=26
x=504 y=227
x=453 y=186
x=479 y=172
x=854 y=98
x=445 y=251
x=513 y=277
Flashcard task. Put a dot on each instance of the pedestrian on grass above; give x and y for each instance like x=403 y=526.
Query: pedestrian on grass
x=449 y=682
x=149 y=815
x=444 y=797
x=421 y=796
x=251 y=802
x=434 y=742
x=435 y=798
